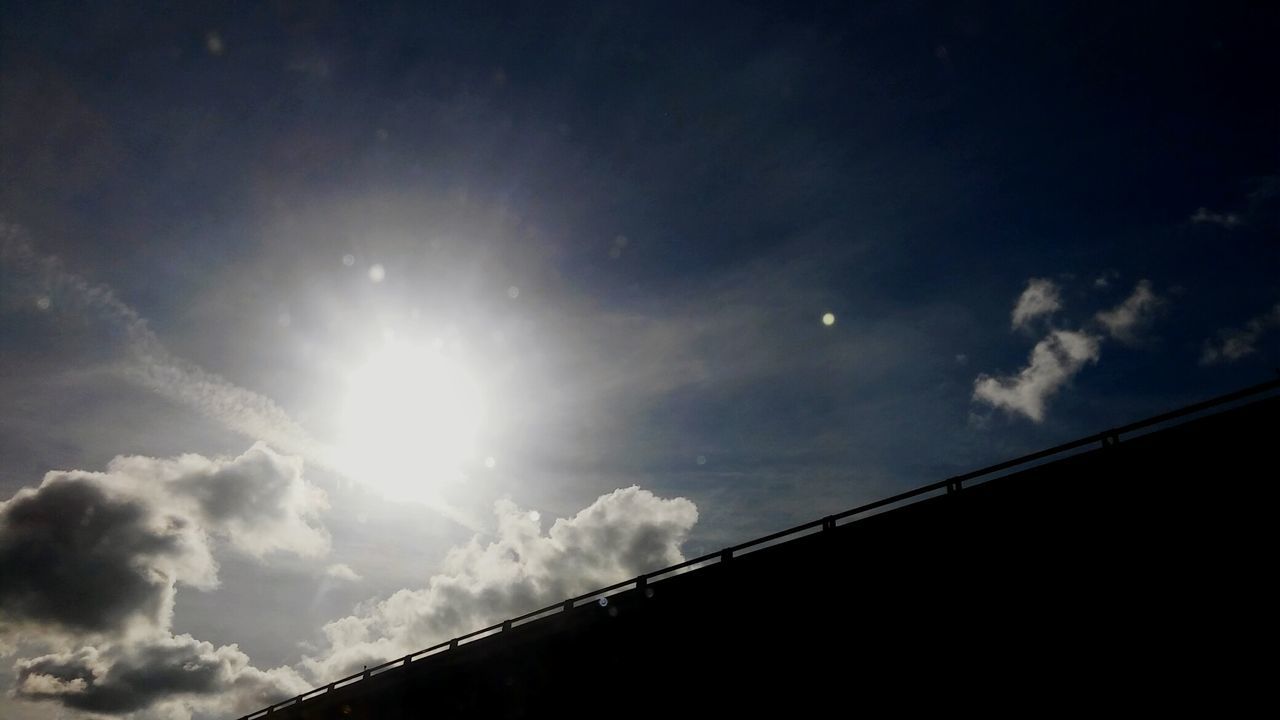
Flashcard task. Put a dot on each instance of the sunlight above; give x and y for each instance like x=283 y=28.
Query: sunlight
x=410 y=421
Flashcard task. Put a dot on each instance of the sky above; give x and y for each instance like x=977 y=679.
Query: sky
x=329 y=330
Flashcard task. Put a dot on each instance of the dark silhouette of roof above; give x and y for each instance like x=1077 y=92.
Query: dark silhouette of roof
x=1115 y=571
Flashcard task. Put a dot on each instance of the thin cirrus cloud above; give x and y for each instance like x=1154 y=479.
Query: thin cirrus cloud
x=1233 y=344
x=93 y=560
x=1206 y=216
x=620 y=535
x=151 y=364
x=1061 y=354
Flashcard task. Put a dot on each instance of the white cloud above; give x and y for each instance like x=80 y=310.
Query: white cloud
x=1053 y=362
x=1235 y=343
x=621 y=535
x=1226 y=220
x=1123 y=321
x=1041 y=297
x=258 y=502
x=342 y=571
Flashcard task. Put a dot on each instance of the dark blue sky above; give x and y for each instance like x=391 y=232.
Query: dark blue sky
x=627 y=220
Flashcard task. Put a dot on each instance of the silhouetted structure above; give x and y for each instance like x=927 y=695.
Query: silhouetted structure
x=1129 y=576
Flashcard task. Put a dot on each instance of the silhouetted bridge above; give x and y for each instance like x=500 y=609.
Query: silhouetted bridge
x=1128 y=571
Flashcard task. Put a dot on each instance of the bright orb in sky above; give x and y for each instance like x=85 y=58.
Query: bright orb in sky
x=829 y=319
x=411 y=421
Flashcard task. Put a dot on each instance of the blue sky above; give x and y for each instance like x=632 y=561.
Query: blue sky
x=621 y=223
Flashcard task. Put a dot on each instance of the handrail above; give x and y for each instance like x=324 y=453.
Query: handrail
x=952 y=484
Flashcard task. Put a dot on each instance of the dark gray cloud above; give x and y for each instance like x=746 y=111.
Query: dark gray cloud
x=125 y=678
x=88 y=560
x=95 y=560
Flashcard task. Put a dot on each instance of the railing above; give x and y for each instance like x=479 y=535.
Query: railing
x=1107 y=438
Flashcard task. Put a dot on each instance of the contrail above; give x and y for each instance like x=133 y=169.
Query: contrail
x=154 y=367
x=151 y=364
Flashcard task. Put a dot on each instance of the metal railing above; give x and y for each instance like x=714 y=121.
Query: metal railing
x=1106 y=438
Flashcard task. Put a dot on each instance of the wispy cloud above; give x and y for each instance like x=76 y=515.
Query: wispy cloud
x=151 y=364
x=1125 y=320
x=1062 y=354
x=1235 y=343
x=1226 y=220
x=1040 y=298
x=1053 y=362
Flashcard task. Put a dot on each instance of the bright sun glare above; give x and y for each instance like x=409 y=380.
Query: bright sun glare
x=411 y=421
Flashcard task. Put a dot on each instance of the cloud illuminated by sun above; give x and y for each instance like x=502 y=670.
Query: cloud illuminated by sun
x=411 y=420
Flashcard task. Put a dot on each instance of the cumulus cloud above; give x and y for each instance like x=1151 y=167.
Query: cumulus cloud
x=1053 y=362
x=1041 y=297
x=258 y=502
x=81 y=554
x=95 y=559
x=98 y=551
x=1235 y=343
x=152 y=364
x=342 y=571
x=1226 y=220
x=621 y=535
x=1126 y=319
x=166 y=669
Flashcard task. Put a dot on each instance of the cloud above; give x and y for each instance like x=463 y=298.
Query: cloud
x=1041 y=297
x=151 y=364
x=79 y=554
x=342 y=571
x=1235 y=343
x=95 y=559
x=621 y=535
x=166 y=669
x=1123 y=321
x=1226 y=220
x=97 y=552
x=258 y=502
x=1053 y=362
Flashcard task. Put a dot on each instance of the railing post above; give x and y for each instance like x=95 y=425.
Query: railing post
x=641 y=584
x=726 y=555
x=954 y=485
x=506 y=625
x=568 y=605
x=828 y=523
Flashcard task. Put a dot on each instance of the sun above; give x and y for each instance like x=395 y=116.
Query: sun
x=411 y=421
